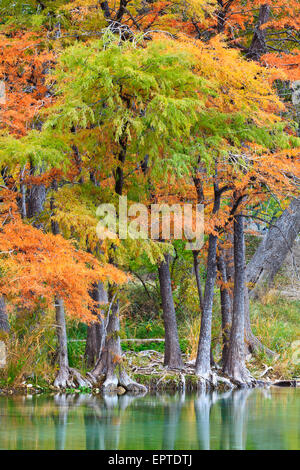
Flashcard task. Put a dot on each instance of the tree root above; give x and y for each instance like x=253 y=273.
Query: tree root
x=116 y=379
x=70 y=378
x=211 y=381
x=129 y=384
x=94 y=379
x=241 y=378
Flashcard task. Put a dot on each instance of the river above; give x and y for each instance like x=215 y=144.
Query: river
x=243 y=419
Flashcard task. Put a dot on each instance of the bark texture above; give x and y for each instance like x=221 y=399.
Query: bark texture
x=235 y=366
x=198 y=280
x=172 y=357
x=226 y=310
x=258 y=45
x=4 y=323
x=36 y=197
x=95 y=330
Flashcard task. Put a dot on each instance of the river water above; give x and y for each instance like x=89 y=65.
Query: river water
x=245 y=419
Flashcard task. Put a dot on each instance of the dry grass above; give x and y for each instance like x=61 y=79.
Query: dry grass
x=27 y=356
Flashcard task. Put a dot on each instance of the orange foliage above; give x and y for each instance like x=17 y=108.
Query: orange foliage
x=36 y=266
x=23 y=67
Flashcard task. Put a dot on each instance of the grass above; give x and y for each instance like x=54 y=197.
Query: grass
x=28 y=357
x=147 y=330
x=275 y=321
x=76 y=332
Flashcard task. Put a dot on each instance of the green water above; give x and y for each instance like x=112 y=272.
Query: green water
x=249 y=419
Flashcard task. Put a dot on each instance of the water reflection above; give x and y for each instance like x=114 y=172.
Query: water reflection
x=243 y=419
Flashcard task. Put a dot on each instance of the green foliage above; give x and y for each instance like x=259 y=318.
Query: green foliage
x=129 y=93
x=76 y=345
x=139 y=328
x=33 y=13
x=137 y=347
x=41 y=148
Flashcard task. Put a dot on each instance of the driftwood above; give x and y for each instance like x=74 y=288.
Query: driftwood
x=287 y=383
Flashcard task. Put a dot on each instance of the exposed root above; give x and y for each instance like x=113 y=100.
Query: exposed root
x=224 y=381
x=241 y=377
x=92 y=378
x=212 y=381
x=82 y=381
x=70 y=378
x=99 y=371
x=129 y=384
x=110 y=384
x=117 y=378
x=202 y=384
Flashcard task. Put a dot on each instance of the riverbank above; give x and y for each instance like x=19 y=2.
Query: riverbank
x=146 y=368
x=275 y=321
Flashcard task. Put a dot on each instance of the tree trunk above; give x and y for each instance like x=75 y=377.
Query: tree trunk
x=226 y=311
x=229 y=260
x=62 y=351
x=273 y=249
x=198 y=280
x=266 y=262
x=110 y=360
x=36 y=197
x=203 y=361
x=222 y=12
x=93 y=340
x=67 y=376
x=258 y=45
x=4 y=324
x=235 y=366
x=23 y=207
x=95 y=330
x=198 y=183
x=172 y=357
